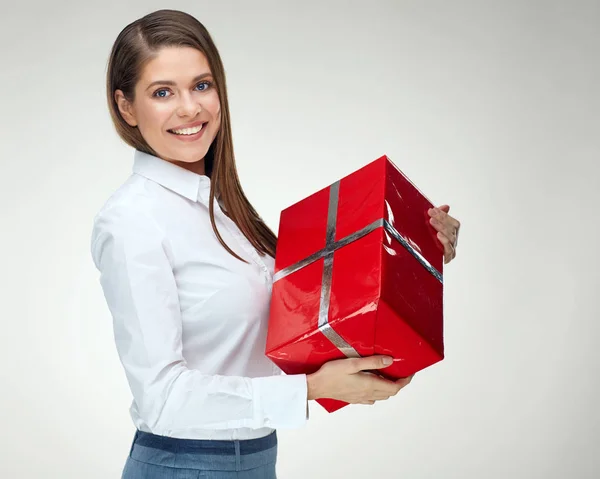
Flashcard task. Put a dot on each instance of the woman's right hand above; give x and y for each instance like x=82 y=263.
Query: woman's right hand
x=346 y=380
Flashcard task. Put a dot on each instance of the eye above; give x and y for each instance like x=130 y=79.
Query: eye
x=155 y=94
x=206 y=84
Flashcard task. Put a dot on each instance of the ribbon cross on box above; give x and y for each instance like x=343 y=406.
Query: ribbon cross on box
x=385 y=294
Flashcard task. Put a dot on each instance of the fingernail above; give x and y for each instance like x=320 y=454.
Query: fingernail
x=432 y=211
x=387 y=360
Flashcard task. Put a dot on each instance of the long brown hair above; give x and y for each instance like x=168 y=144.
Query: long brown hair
x=137 y=44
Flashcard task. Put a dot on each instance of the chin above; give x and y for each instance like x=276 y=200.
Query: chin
x=188 y=155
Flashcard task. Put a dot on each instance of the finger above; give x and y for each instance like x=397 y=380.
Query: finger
x=445 y=218
x=449 y=251
x=371 y=362
x=441 y=214
x=405 y=381
x=436 y=209
x=401 y=384
x=449 y=222
x=444 y=227
x=367 y=402
x=386 y=389
x=383 y=398
x=445 y=223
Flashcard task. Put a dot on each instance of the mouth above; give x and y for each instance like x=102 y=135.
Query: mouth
x=189 y=134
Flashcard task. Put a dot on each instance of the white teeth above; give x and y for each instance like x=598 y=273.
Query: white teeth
x=188 y=131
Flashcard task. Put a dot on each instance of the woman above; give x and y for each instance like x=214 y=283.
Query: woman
x=186 y=267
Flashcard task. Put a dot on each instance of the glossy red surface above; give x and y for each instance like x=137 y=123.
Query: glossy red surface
x=302 y=229
x=383 y=301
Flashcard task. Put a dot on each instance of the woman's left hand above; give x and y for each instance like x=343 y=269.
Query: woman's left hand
x=447 y=228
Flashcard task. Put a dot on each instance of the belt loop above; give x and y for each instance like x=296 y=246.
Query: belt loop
x=238 y=461
x=137 y=431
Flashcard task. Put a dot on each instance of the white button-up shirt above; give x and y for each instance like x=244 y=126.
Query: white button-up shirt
x=190 y=320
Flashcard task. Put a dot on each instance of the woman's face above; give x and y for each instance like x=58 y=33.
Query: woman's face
x=175 y=96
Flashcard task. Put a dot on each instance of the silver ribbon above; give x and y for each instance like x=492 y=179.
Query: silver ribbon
x=327 y=253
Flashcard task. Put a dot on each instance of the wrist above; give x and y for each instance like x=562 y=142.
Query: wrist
x=313 y=386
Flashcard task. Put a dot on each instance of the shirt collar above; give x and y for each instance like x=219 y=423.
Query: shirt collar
x=177 y=179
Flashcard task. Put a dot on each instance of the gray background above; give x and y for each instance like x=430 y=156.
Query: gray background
x=491 y=107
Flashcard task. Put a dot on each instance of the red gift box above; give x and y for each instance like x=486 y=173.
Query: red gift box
x=358 y=271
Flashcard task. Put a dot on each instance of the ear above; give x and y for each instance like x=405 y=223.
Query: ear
x=125 y=108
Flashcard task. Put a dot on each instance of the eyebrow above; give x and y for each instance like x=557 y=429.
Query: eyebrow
x=172 y=83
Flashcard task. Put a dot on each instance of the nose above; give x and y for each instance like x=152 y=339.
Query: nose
x=188 y=106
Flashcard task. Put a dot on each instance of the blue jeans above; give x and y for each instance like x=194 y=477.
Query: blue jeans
x=160 y=457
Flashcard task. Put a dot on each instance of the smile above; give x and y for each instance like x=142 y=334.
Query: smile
x=189 y=134
x=188 y=131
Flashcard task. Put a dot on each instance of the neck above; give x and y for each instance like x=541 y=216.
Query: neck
x=196 y=167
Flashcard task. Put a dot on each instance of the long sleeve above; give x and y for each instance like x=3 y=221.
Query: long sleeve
x=134 y=258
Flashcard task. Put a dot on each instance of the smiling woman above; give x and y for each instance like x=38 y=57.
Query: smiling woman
x=165 y=76
x=186 y=265
x=178 y=117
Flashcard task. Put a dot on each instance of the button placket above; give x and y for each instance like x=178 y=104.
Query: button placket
x=232 y=228
x=243 y=241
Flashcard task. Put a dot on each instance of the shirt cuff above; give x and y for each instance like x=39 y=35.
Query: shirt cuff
x=281 y=401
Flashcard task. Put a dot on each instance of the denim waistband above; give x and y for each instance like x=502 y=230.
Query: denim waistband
x=206 y=446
